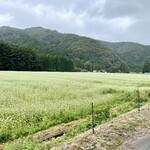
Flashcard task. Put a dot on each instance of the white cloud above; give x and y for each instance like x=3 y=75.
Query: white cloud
x=122 y=23
x=113 y=20
x=5 y=19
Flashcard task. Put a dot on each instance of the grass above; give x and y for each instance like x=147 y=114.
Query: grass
x=34 y=101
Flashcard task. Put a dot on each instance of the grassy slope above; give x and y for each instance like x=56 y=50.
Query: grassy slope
x=133 y=54
x=32 y=101
x=112 y=135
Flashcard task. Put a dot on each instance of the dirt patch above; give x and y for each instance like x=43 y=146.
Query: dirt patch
x=56 y=131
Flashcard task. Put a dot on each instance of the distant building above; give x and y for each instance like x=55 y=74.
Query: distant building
x=94 y=71
x=146 y=72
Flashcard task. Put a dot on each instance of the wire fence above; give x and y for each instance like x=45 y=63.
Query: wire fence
x=103 y=113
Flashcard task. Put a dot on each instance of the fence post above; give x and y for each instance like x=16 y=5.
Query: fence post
x=138 y=99
x=93 y=119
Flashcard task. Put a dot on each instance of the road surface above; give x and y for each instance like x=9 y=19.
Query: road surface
x=141 y=143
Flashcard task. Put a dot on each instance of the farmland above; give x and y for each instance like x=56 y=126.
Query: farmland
x=35 y=101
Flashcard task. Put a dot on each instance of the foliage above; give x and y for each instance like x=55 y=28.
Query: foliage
x=18 y=58
x=133 y=54
x=79 y=49
x=26 y=59
x=112 y=57
x=146 y=67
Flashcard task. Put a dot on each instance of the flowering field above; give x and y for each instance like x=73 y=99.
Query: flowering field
x=34 y=101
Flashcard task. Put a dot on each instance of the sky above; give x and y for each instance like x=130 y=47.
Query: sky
x=108 y=20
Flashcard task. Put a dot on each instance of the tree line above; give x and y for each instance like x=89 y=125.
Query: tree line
x=26 y=59
x=21 y=58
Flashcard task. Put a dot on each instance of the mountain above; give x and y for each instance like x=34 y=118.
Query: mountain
x=18 y=37
x=80 y=49
x=133 y=54
x=86 y=53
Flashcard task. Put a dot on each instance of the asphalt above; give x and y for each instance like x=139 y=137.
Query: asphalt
x=142 y=143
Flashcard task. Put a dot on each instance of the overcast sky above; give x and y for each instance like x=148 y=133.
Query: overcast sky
x=109 y=20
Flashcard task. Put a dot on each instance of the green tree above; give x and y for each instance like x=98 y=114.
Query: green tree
x=146 y=67
x=64 y=64
x=124 y=68
x=18 y=58
x=88 y=66
x=96 y=66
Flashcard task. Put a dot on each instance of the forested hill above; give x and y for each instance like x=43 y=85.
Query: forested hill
x=86 y=53
x=134 y=54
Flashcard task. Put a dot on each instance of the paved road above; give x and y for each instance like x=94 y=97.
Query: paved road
x=142 y=143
